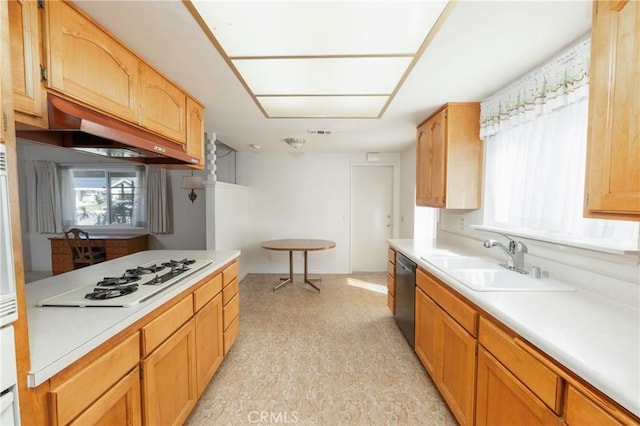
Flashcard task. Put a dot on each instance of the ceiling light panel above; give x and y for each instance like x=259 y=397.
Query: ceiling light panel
x=322 y=106
x=319 y=58
x=324 y=76
x=293 y=28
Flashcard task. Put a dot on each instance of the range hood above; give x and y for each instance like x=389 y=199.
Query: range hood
x=78 y=127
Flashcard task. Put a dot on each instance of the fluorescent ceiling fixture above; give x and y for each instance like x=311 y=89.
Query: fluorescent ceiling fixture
x=325 y=76
x=322 y=106
x=337 y=48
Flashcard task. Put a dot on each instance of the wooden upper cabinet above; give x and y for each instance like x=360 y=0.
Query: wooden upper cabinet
x=449 y=158
x=28 y=89
x=87 y=64
x=163 y=105
x=613 y=158
x=195 y=131
x=432 y=159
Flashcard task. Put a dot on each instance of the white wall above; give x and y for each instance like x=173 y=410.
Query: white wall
x=299 y=195
x=227 y=220
x=407 y=191
x=189 y=219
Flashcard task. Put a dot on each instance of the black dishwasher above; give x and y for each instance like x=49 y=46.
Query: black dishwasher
x=405 y=296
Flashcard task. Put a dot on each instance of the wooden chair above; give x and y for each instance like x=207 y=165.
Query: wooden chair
x=82 y=251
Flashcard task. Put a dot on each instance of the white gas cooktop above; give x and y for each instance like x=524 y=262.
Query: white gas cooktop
x=131 y=287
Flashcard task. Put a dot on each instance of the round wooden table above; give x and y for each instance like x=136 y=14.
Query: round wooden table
x=303 y=244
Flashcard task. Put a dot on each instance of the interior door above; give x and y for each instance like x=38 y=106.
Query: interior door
x=371 y=216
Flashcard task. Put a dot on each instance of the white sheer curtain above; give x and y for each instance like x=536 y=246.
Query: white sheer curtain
x=48 y=204
x=68 y=195
x=535 y=142
x=139 y=218
x=158 y=212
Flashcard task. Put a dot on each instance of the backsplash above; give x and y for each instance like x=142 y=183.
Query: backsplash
x=614 y=276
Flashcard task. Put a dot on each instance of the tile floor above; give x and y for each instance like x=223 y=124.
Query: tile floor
x=333 y=358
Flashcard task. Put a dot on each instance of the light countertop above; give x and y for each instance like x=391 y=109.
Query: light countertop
x=595 y=337
x=58 y=336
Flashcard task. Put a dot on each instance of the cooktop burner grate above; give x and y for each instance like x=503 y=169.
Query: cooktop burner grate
x=110 y=293
x=117 y=281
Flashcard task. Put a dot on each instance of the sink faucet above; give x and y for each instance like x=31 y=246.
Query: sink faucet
x=515 y=252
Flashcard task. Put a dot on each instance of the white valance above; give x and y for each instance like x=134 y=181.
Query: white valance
x=560 y=82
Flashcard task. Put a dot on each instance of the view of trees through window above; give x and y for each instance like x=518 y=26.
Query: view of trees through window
x=104 y=197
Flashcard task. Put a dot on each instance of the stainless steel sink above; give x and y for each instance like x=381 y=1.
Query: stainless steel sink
x=482 y=274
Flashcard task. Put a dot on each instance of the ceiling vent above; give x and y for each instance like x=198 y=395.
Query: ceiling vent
x=319 y=132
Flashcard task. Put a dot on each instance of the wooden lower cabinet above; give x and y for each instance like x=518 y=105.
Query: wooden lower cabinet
x=457 y=369
x=427 y=340
x=502 y=400
x=231 y=306
x=119 y=406
x=391 y=281
x=104 y=385
x=448 y=353
x=209 y=341
x=169 y=379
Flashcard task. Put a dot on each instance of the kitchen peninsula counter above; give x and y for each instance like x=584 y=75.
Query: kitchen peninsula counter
x=594 y=336
x=59 y=336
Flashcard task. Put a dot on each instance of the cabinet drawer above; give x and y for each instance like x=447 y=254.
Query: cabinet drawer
x=464 y=314
x=587 y=409
x=59 y=243
x=207 y=292
x=392 y=255
x=524 y=362
x=117 y=251
x=76 y=394
x=62 y=259
x=60 y=249
x=391 y=285
x=391 y=269
x=162 y=327
x=230 y=334
x=117 y=243
x=230 y=311
x=229 y=291
x=229 y=274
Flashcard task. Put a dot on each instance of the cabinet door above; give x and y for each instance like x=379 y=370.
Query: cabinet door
x=89 y=65
x=209 y=344
x=457 y=369
x=169 y=379
x=421 y=166
x=25 y=57
x=428 y=342
x=432 y=162
x=119 y=406
x=613 y=175
x=501 y=399
x=163 y=106
x=195 y=131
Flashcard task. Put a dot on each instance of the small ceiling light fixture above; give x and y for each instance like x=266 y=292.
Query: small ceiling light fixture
x=192 y=182
x=254 y=146
x=295 y=142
